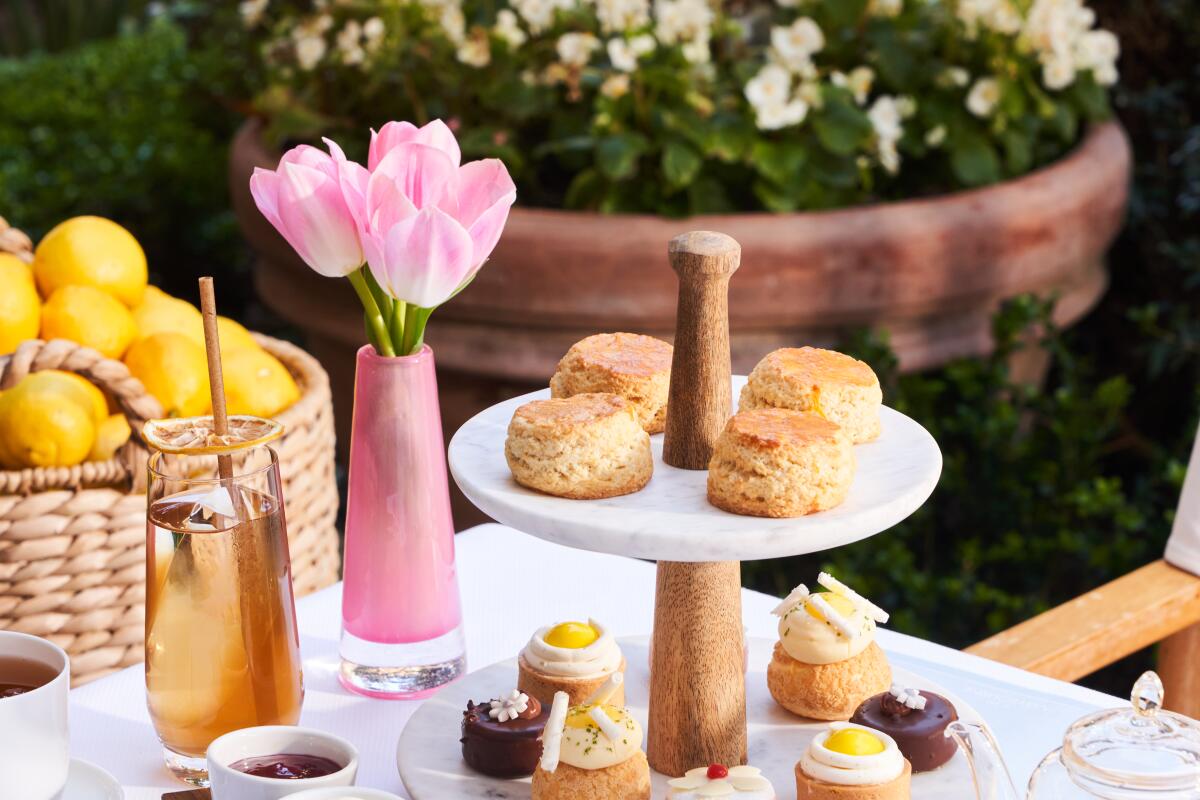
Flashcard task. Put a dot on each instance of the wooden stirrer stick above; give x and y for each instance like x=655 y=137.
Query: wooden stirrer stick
x=216 y=381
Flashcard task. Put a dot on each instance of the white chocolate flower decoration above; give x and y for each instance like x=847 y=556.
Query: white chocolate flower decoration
x=509 y=707
x=741 y=783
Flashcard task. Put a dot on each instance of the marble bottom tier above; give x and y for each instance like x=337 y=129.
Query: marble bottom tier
x=429 y=755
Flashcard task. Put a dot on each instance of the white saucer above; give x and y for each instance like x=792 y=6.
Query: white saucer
x=86 y=781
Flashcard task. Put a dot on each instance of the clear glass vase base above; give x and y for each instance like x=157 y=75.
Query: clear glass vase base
x=407 y=671
x=192 y=770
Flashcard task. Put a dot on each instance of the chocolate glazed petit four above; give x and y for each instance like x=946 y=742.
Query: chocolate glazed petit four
x=917 y=720
x=501 y=737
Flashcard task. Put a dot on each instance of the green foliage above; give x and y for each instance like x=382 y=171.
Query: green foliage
x=28 y=26
x=117 y=128
x=682 y=127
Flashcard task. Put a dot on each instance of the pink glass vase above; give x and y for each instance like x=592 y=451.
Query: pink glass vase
x=401 y=617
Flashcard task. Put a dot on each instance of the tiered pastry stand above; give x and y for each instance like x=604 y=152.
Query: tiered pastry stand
x=697 y=693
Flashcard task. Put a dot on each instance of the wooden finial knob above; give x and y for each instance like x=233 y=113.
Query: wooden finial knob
x=698 y=405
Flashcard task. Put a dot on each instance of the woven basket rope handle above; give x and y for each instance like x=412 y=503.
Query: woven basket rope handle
x=13 y=240
x=113 y=377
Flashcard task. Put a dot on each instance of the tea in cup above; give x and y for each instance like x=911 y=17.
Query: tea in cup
x=35 y=676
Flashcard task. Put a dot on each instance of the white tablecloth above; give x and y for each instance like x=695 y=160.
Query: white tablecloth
x=109 y=724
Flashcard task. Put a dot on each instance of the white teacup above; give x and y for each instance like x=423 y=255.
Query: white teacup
x=227 y=783
x=34 y=742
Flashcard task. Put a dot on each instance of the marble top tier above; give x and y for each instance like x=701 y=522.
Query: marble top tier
x=671 y=518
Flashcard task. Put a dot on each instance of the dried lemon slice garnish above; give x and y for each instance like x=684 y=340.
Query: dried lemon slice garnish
x=194 y=436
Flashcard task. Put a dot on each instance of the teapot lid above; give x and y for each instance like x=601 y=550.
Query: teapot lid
x=1139 y=747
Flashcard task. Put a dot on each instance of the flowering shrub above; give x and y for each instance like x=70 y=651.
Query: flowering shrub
x=689 y=106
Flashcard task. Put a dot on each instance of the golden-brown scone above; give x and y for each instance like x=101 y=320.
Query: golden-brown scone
x=629 y=780
x=582 y=447
x=634 y=366
x=827 y=691
x=772 y=462
x=543 y=686
x=809 y=788
x=825 y=382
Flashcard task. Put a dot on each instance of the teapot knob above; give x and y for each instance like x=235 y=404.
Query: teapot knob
x=1147 y=696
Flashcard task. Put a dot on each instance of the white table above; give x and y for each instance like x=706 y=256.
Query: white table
x=110 y=726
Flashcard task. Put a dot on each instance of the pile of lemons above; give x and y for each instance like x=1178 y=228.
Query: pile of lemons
x=88 y=283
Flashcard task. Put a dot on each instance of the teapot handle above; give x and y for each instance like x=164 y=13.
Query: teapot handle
x=990 y=774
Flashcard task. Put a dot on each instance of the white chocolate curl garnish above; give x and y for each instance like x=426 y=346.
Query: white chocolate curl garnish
x=795 y=598
x=553 y=733
x=604 y=722
x=909 y=697
x=845 y=770
x=606 y=691
x=601 y=657
x=861 y=603
x=832 y=616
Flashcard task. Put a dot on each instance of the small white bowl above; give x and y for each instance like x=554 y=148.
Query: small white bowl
x=333 y=793
x=269 y=740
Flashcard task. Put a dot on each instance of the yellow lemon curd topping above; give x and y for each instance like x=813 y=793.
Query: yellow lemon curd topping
x=579 y=716
x=854 y=742
x=840 y=604
x=586 y=746
x=572 y=635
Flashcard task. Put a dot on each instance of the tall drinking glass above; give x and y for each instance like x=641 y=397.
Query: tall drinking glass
x=222 y=649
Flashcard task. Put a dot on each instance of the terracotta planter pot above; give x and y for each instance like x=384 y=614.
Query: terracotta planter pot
x=931 y=271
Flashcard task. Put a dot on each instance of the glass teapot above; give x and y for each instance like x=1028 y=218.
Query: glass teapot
x=1119 y=754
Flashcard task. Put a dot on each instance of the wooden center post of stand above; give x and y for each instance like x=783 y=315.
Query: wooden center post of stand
x=697 y=681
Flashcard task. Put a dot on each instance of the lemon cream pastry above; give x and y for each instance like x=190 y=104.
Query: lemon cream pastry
x=577 y=658
x=583 y=447
x=634 y=366
x=851 y=762
x=771 y=462
x=717 y=780
x=592 y=752
x=826 y=662
x=824 y=382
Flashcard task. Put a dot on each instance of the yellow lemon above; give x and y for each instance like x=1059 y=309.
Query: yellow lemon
x=43 y=428
x=77 y=387
x=172 y=367
x=88 y=316
x=20 y=307
x=91 y=251
x=161 y=313
x=571 y=635
x=234 y=336
x=256 y=383
x=854 y=742
x=110 y=435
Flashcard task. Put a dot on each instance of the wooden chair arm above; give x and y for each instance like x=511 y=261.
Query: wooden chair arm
x=1102 y=626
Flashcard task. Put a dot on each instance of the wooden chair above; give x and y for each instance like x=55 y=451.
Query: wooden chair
x=1158 y=603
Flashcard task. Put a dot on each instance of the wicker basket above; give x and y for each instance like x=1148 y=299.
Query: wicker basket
x=73 y=539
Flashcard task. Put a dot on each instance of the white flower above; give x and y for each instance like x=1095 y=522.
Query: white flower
x=906 y=105
x=308 y=39
x=1106 y=74
x=682 y=20
x=624 y=53
x=617 y=16
x=795 y=45
x=935 y=137
x=373 y=31
x=1000 y=16
x=539 y=14
x=474 y=51
x=810 y=92
x=780 y=115
x=889 y=156
x=508 y=28
x=1098 y=51
x=252 y=11
x=697 y=51
x=858 y=82
x=1058 y=73
x=885 y=8
x=983 y=97
x=787 y=3
x=349 y=43
x=615 y=86
x=770 y=87
x=575 y=49
x=886 y=118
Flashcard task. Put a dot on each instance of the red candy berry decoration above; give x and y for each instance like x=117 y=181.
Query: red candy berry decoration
x=717 y=771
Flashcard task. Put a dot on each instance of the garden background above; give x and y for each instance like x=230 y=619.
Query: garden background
x=126 y=110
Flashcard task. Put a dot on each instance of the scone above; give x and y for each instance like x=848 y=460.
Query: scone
x=826 y=662
x=572 y=657
x=592 y=752
x=583 y=447
x=771 y=462
x=824 y=382
x=851 y=762
x=634 y=366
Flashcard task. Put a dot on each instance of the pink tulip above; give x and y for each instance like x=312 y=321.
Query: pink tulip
x=427 y=223
x=305 y=198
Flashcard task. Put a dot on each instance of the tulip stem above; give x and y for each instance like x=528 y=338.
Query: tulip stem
x=377 y=331
x=398 y=326
x=381 y=297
